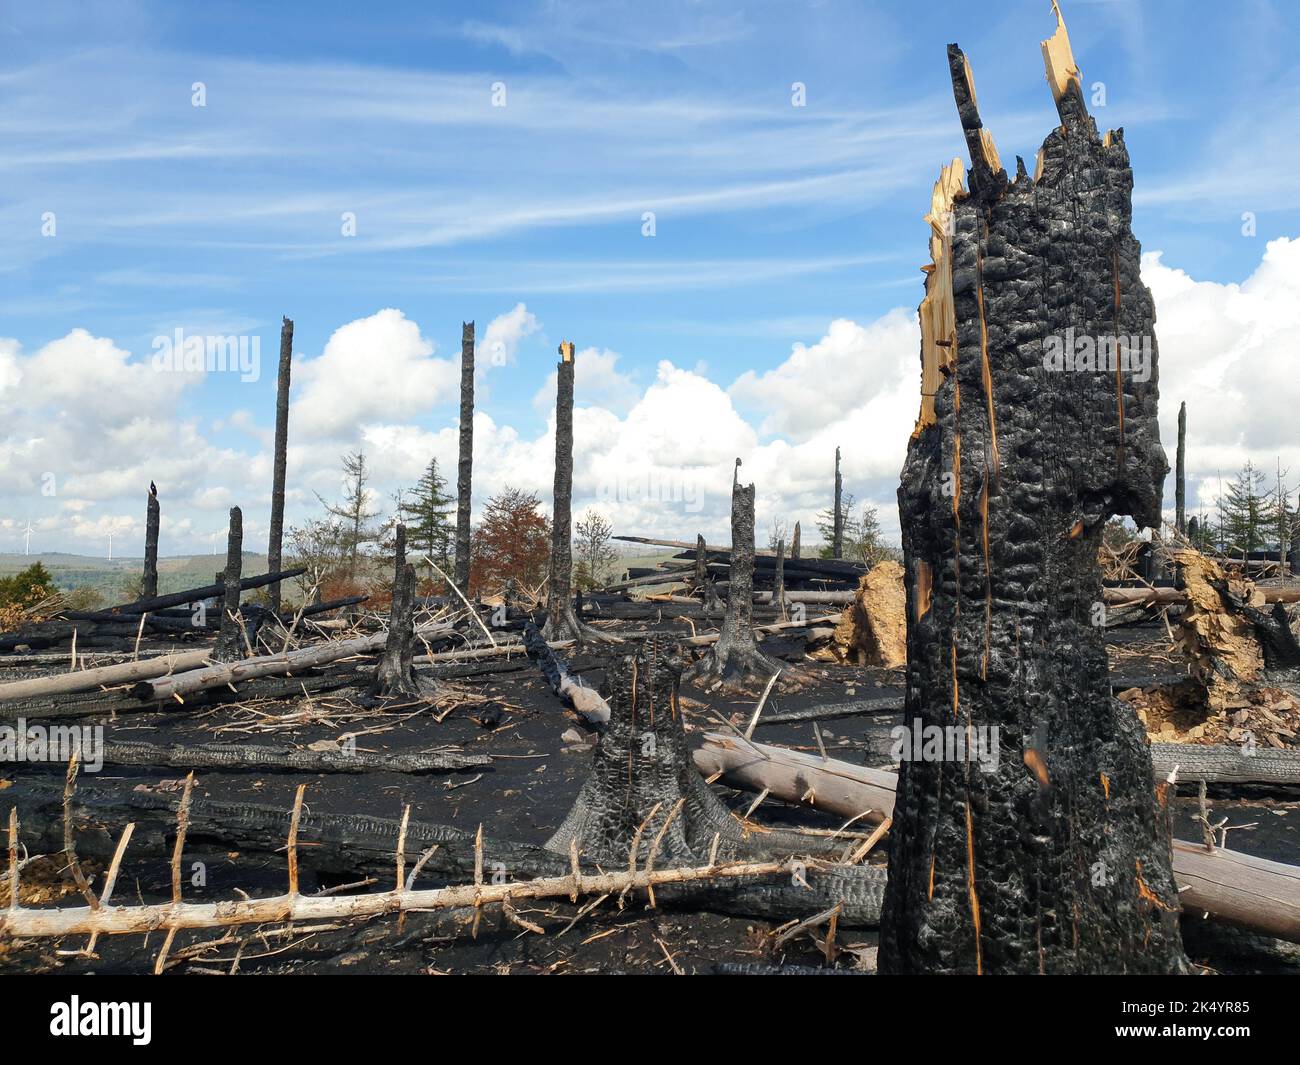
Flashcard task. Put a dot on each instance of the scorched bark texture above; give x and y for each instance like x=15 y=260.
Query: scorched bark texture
x=1057 y=859
x=280 y=470
x=465 y=463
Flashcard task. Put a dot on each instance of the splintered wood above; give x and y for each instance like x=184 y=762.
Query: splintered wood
x=872 y=630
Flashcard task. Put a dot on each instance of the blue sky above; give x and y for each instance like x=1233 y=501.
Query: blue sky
x=771 y=221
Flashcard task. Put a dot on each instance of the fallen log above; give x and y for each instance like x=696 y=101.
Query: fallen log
x=826 y=783
x=22 y=922
x=190 y=595
x=266 y=758
x=1178 y=596
x=568 y=686
x=1223 y=764
x=349 y=844
x=1238 y=888
x=181 y=684
x=102 y=676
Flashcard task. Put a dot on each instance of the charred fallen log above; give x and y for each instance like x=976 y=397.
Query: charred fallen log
x=348 y=845
x=1055 y=859
x=265 y=758
x=191 y=595
x=568 y=686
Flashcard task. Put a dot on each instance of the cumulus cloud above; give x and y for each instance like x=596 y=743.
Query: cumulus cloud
x=597 y=381
x=374 y=369
x=497 y=345
x=655 y=459
x=1227 y=350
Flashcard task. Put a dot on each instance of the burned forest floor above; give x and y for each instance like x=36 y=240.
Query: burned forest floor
x=540 y=754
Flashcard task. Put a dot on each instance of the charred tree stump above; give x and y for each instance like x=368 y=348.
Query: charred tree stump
x=465 y=466
x=794 y=543
x=703 y=582
x=736 y=654
x=837 y=520
x=1054 y=856
x=643 y=772
x=149 y=583
x=230 y=639
x=395 y=674
x=279 y=472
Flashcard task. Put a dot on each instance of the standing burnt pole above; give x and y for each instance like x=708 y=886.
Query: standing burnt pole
x=561 y=621
x=736 y=655
x=1180 y=473
x=703 y=584
x=230 y=638
x=149 y=582
x=274 y=541
x=1028 y=834
x=465 y=468
x=794 y=543
x=837 y=520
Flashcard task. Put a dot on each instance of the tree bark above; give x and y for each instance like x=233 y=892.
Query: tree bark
x=149 y=584
x=736 y=655
x=1055 y=857
x=230 y=640
x=279 y=473
x=465 y=467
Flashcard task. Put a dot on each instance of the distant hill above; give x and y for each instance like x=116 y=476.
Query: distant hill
x=109 y=578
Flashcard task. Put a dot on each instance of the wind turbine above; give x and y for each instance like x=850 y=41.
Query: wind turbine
x=27 y=543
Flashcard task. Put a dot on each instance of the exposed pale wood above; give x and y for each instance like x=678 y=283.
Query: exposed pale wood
x=1228 y=885
x=103 y=676
x=23 y=922
x=182 y=684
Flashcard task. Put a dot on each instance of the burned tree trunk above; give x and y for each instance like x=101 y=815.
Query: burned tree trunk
x=465 y=466
x=778 y=582
x=561 y=621
x=279 y=472
x=395 y=674
x=794 y=543
x=561 y=624
x=230 y=640
x=643 y=771
x=837 y=519
x=1048 y=850
x=1180 y=473
x=704 y=586
x=149 y=583
x=736 y=654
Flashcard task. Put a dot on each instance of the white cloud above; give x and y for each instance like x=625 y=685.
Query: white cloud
x=1229 y=351
x=597 y=381
x=656 y=459
x=374 y=369
x=500 y=341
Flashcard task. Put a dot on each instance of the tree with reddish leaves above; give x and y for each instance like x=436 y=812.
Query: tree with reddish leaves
x=511 y=543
